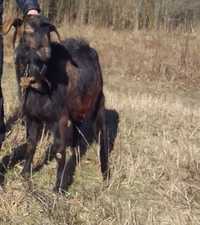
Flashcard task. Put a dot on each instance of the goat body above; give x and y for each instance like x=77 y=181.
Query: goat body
x=69 y=93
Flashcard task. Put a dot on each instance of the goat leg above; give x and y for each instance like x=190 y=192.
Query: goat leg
x=61 y=160
x=104 y=142
x=64 y=136
x=34 y=130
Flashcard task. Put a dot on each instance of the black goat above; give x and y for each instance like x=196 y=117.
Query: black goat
x=63 y=87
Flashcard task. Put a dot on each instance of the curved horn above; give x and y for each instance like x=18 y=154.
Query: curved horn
x=58 y=35
x=16 y=23
x=14 y=38
x=53 y=29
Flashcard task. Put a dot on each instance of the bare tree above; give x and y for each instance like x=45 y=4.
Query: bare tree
x=121 y=14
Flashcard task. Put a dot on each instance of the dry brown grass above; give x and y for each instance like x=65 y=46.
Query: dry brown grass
x=152 y=81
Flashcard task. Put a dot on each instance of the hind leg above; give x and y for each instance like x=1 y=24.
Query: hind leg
x=102 y=132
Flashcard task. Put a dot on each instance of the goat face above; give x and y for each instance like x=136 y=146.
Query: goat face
x=36 y=36
x=34 y=33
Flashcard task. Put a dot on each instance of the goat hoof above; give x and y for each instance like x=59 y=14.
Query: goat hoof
x=25 y=175
x=2 y=138
x=106 y=178
x=56 y=189
x=2 y=179
x=2 y=190
x=59 y=190
x=2 y=174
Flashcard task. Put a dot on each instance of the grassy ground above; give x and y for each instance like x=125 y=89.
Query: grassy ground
x=152 y=82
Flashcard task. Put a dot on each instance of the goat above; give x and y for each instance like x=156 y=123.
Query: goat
x=63 y=88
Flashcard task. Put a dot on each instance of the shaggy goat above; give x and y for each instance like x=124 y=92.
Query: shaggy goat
x=63 y=87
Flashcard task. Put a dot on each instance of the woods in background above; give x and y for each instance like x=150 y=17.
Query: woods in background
x=123 y=14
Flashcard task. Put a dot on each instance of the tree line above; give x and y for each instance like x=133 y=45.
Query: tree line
x=122 y=14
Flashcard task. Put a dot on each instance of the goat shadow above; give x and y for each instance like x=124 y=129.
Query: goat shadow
x=86 y=130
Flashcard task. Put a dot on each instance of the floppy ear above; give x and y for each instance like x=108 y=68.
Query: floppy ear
x=52 y=28
x=13 y=23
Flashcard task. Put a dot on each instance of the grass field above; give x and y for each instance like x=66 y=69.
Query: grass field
x=152 y=85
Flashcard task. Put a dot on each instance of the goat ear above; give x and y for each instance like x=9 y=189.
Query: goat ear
x=52 y=28
x=17 y=22
x=13 y=23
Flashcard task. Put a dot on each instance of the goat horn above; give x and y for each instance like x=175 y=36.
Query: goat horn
x=53 y=29
x=58 y=35
x=5 y=28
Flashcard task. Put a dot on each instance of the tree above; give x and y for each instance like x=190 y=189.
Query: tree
x=52 y=10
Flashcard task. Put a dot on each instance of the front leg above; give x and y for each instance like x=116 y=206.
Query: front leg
x=64 y=137
x=34 y=130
